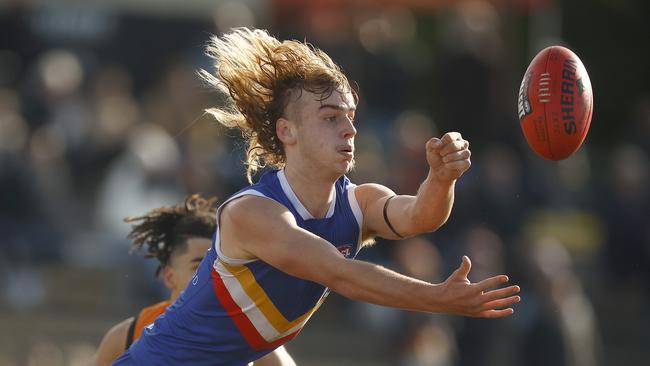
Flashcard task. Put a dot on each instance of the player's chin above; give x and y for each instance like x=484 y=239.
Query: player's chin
x=350 y=166
x=344 y=166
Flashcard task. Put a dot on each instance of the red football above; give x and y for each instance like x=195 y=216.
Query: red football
x=555 y=103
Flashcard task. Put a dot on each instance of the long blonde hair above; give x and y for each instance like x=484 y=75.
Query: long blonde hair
x=259 y=73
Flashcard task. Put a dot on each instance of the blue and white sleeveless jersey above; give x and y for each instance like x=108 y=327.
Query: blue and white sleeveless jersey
x=235 y=311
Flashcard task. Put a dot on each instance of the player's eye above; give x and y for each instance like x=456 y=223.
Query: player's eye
x=330 y=118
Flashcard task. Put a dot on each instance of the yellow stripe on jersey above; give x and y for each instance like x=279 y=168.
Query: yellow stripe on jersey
x=257 y=294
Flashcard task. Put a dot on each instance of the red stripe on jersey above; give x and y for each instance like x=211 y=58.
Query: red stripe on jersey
x=246 y=328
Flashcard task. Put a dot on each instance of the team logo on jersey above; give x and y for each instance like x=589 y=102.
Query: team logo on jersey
x=346 y=250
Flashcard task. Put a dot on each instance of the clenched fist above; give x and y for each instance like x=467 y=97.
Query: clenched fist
x=449 y=156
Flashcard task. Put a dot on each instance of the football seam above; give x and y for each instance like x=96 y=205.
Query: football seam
x=548 y=136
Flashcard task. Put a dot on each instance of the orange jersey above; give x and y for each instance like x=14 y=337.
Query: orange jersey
x=144 y=318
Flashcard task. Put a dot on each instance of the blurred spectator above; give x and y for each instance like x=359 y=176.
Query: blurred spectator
x=626 y=210
x=559 y=322
x=23 y=221
x=143 y=176
x=412 y=130
x=467 y=73
x=415 y=339
x=483 y=342
x=423 y=339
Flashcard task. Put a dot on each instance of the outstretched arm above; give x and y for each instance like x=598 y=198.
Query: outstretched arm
x=448 y=158
x=255 y=227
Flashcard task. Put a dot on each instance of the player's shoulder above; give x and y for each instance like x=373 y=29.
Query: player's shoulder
x=369 y=192
x=120 y=329
x=373 y=188
x=154 y=310
x=251 y=209
x=113 y=343
x=250 y=203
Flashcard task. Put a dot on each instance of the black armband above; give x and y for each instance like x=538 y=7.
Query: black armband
x=388 y=221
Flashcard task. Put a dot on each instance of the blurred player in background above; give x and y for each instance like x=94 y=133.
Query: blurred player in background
x=178 y=237
x=284 y=242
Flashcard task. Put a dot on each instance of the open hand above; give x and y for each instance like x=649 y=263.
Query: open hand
x=449 y=156
x=462 y=297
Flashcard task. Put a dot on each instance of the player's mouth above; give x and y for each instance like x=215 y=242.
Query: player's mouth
x=347 y=151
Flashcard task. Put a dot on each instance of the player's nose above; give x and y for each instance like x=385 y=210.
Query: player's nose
x=349 y=130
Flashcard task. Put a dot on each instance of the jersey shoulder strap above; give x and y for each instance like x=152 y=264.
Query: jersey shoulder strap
x=129 y=333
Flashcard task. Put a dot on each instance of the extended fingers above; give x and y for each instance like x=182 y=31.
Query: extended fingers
x=500 y=293
x=491 y=282
x=463 y=270
x=498 y=308
x=496 y=313
x=501 y=303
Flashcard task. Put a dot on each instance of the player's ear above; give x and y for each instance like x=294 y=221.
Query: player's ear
x=286 y=131
x=167 y=274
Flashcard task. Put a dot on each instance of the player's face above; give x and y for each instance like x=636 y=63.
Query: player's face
x=184 y=265
x=326 y=131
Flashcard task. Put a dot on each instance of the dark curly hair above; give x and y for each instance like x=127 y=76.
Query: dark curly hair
x=165 y=230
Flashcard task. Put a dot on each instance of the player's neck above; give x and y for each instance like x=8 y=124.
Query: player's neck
x=174 y=295
x=314 y=190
